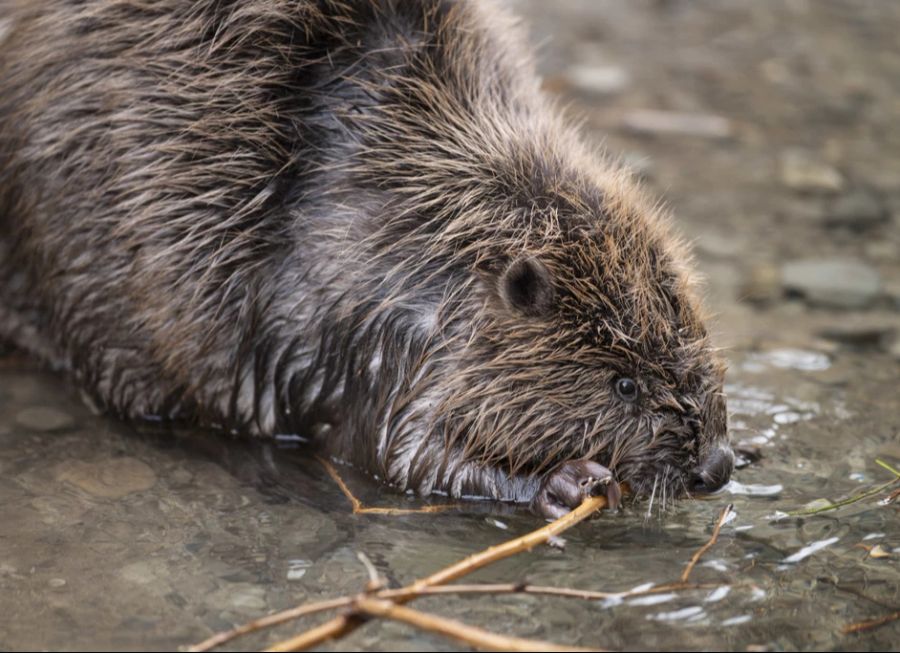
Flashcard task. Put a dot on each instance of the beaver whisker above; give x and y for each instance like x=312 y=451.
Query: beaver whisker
x=685 y=490
x=663 y=506
x=652 y=496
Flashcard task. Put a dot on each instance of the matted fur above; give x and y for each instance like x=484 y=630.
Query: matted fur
x=295 y=216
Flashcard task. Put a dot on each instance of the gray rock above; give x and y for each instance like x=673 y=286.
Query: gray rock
x=834 y=283
x=762 y=285
x=801 y=171
x=894 y=348
x=646 y=121
x=718 y=245
x=881 y=250
x=892 y=292
x=598 y=80
x=858 y=210
x=860 y=335
x=249 y=598
x=43 y=418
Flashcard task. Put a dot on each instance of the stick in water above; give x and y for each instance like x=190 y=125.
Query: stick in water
x=723 y=517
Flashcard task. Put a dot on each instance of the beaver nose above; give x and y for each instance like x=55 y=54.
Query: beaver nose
x=714 y=472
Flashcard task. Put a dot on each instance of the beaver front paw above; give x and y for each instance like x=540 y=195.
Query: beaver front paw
x=569 y=485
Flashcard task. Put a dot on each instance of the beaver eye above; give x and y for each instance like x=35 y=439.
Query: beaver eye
x=626 y=389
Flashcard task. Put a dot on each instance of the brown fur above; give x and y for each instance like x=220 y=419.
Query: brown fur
x=358 y=219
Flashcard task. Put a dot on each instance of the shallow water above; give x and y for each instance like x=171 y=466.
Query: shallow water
x=113 y=536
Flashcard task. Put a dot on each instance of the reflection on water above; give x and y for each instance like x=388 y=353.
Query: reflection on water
x=118 y=538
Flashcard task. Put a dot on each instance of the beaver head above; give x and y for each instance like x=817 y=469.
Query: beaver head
x=588 y=343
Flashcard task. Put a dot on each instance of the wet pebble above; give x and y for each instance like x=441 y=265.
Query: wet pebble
x=651 y=122
x=718 y=246
x=892 y=292
x=762 y=284
x=860 y=335
x=859 y=211
x=249 y=598
x=801 y=171
x=833 y=283
x=893 y=348
x=107 y=479
x=57 y=582
x=44 y=418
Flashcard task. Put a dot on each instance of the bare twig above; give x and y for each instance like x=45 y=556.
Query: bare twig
x=845 y=502
x=723 y=516
x=525 y=543
x=870 y=624
x=344 y=624
x=470 y=635
x=271 y=620
x=360 y=509
x=442 y=590
x=543 y=590
x=855 y=498
x=855 y=592
x=322 y=633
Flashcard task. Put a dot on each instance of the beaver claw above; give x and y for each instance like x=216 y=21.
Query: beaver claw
x=569 y=485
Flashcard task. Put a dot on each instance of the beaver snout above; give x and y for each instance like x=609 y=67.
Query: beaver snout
x=714 y=471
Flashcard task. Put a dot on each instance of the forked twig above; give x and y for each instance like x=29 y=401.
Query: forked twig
x=344 y=624
x=442 y=590
x=388 y=603
x=422 y=587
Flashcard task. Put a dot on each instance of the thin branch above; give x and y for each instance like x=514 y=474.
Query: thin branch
x=271 y=620
x=322 y=633
x=525 y=543
x=893 y=471
x=853 y=499
x=870 y=624
x=471 y=635
x=723 y=516
x=543 y=590
x=845 y=502
x=360 y=509
x=856 y=592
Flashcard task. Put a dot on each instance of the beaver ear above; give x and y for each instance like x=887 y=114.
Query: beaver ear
x=526 y=286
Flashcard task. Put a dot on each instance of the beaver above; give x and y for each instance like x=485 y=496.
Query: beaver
x=357 y=220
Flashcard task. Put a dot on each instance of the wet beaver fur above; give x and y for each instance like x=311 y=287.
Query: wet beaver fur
x=357 y=220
